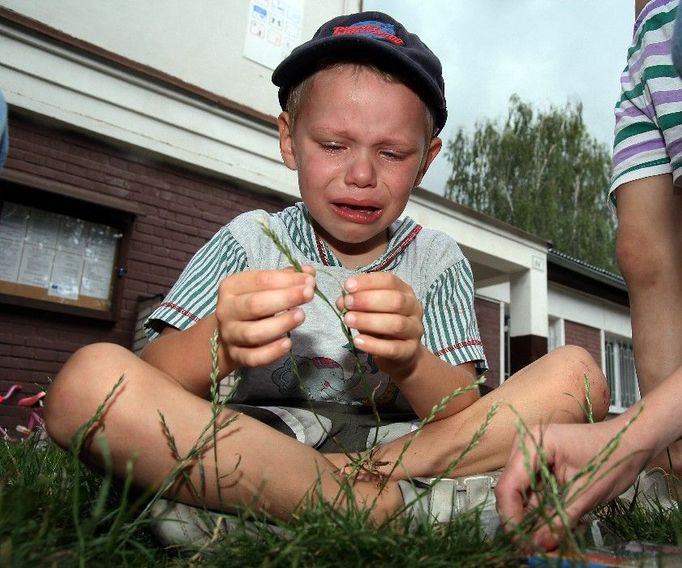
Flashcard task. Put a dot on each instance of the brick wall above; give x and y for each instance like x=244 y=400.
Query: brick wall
x=584 y=336
x=488 y=314
x=182 y=209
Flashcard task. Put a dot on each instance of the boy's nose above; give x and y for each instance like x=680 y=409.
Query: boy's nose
x=361 y=171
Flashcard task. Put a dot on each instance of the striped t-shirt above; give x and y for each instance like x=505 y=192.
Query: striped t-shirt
x=648 y=134
x=429 y=261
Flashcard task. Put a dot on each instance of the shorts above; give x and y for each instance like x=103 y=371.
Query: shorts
x=333 y=427
x=648 y=132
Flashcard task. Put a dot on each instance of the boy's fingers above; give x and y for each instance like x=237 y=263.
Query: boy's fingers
x=261 y=355
x=392 y=349
x=383 y=301
x=252 y=306
x=255 y=280
x=261 y=332
x=375 y=281
x=384 y=325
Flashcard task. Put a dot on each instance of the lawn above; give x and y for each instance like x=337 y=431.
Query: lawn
x=56 y=512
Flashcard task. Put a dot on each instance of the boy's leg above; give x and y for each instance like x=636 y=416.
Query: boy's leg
x=551 y=389
x=263 y=468
x=649 y=250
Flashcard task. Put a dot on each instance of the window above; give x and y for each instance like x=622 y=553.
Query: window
x=59 y=253
x=556 y=333
x=507 y=346
x=620 y=372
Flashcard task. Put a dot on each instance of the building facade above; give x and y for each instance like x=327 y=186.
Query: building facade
x=138 y=129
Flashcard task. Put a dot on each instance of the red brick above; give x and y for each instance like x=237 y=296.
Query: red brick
x=584 y=336
x=488 y=316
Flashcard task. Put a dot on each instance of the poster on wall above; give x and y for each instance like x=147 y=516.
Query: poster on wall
x=273 y=29
x=60 y=256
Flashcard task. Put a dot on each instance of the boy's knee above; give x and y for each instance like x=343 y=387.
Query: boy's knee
x=79 y=387
x=587 y=379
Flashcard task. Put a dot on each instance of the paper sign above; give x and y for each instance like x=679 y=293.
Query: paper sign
x=273 y=29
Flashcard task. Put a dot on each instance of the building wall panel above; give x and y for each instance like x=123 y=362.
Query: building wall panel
x=181 y=210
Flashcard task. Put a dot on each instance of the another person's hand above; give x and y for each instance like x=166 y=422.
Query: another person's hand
x=388 y=317
x=257 y=309
x=568 y=448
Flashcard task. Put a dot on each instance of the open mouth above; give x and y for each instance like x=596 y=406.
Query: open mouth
x=356 y=212
x=361 y=208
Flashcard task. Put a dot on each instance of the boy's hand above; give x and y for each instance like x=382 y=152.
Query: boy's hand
x=255 y=311
x=388 y=317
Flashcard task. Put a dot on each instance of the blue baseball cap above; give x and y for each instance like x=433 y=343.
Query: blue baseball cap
x=371 y=37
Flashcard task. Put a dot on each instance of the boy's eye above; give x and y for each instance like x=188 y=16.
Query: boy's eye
x=331 y=146
x=391 y=155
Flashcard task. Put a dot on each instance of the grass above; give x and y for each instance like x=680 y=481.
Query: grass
x=49 y=502
x=43 y=486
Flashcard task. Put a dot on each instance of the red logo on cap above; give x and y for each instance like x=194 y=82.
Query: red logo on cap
x=368 y=30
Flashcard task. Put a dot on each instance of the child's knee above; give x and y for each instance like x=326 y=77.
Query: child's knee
x=79 y=387
x=586 y=379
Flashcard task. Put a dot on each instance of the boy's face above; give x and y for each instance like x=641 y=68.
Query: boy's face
x=359 y=145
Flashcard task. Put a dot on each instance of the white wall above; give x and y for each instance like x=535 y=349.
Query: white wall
x=199 y=42
x=572 y=305
x=588 y=310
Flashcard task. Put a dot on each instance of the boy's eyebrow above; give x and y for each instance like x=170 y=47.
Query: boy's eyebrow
x=332 y=133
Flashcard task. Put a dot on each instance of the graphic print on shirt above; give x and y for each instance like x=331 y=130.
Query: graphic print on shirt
x=322 y=378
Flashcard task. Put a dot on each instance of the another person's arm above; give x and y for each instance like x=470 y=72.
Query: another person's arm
x=569 y=447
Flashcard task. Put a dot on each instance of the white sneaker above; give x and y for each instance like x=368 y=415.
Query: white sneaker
x=652 y=489
x=440 y=500
x=178 y=524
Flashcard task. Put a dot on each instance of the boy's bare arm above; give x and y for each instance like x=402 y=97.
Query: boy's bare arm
x=388 y=317
x=185 y=356
x=255 y=311
x=434 y=379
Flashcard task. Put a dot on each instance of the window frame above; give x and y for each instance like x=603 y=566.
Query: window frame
x=556 y=333
x=614 y=374
x=47 y=195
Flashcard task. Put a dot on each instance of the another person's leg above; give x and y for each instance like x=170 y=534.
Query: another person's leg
x=259 y=467
x=551 y=389
x=649 y=250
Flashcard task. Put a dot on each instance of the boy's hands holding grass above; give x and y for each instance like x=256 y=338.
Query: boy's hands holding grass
x=257 y=309
x=388 y=316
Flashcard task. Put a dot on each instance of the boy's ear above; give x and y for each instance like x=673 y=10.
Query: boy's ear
x=434 y=148
x=286 y=141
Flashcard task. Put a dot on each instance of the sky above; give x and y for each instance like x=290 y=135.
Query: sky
x=546 y=51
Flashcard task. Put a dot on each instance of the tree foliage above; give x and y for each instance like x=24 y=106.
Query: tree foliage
x=540 y=171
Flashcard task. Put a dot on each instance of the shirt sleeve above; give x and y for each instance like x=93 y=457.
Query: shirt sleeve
x=450 y=326
x=195 y=294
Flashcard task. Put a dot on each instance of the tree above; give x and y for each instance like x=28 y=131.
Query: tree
x=542 y=172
